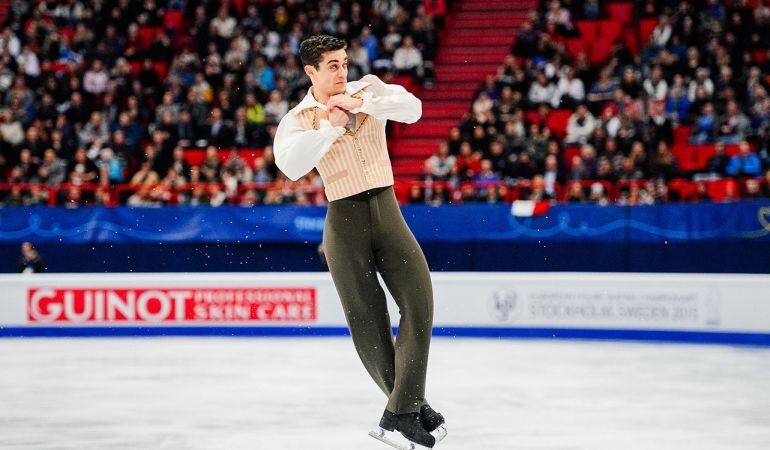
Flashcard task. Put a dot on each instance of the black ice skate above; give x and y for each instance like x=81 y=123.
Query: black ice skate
x=433 y=422
x=410 y=427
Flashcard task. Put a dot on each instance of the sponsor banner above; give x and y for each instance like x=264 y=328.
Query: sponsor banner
x=611 y=301
x=678 y=308
x=661 y=302
x=104 y=305
x=150 y=300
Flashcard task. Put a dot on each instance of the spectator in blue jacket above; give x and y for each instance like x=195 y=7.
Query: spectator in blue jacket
x=745 y=163
x=705 y=126
x=677 y=103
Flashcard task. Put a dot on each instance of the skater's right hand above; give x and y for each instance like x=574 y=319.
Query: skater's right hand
x=338 y=117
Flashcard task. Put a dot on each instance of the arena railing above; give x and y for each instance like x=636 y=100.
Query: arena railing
x=90 y=194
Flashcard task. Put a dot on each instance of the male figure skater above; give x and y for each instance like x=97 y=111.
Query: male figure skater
x=339 y=128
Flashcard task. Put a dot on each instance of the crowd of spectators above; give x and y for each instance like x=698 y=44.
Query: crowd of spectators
x=698 y=70
x=89 y=104
x=88 y=100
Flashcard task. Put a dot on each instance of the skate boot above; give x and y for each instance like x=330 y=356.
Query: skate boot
x=408 y=425
x=430 y=419
x=433 y=422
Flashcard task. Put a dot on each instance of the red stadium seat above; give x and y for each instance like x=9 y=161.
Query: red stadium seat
x=196 y=156
x=620 y=12
x=600 y=51
x=402 y=192
x=696 y=157
x=609 y=29
x=587 y=29
x=173 y=20
x=161 y=67
x=557 y=122
x=407 y=81
x=147 y=35
x=68 y=32
x=718 y=189
x=645 y=27
x=682 y=134
x=250 y=154
x=136 y=67
x=239 y=7
x=684 y=188
x=577 y=46
x=702 y=153
x=684 y=156
x=630 y=38
x=410 y=168
x=58 y=66
x=569 y=154
x=532 y=116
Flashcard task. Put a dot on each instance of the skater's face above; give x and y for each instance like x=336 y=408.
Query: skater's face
x=331 y=75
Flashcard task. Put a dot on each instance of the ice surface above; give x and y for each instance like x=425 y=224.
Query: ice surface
x=313 y=393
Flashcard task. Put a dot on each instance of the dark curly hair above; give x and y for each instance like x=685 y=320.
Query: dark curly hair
x=312 y=49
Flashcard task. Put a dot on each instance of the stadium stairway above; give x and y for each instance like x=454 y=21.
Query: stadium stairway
x=477 y=37
x=5 y=9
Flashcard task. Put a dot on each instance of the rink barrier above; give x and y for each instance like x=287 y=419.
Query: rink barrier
x=719 y=309
x=747 y=339
x=713 y=237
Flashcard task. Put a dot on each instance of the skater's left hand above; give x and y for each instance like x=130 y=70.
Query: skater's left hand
x=344 y=101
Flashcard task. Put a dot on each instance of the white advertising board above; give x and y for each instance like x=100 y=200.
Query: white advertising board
x=487 y=302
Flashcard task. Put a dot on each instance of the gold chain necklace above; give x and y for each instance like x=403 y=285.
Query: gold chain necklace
x=348 y=132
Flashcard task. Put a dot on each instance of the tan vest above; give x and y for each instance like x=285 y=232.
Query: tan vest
x=357 y=161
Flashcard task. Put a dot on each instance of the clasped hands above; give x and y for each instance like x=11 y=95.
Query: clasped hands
x=338 y=107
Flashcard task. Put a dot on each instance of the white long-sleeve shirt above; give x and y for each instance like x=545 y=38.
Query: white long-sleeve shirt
x=407 y=58
x=657 y=91
x=541 y=94
x=580 y=133
x=298 y=150
x=95 y=82
x=574 y=89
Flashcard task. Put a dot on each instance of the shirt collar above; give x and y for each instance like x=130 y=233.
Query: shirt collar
x=309 y=101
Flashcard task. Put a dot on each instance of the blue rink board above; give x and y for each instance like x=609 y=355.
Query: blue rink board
x=697 y=337
x=677 y=222
x=672 y=238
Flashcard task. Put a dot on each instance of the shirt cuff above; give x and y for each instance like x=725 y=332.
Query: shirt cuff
x=330 y=132
x=367 y=98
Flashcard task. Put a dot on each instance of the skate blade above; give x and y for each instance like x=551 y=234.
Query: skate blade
x=439 y=433
x=394 y=439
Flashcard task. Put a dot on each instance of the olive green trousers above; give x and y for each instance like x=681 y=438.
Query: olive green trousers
x=363 y=234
